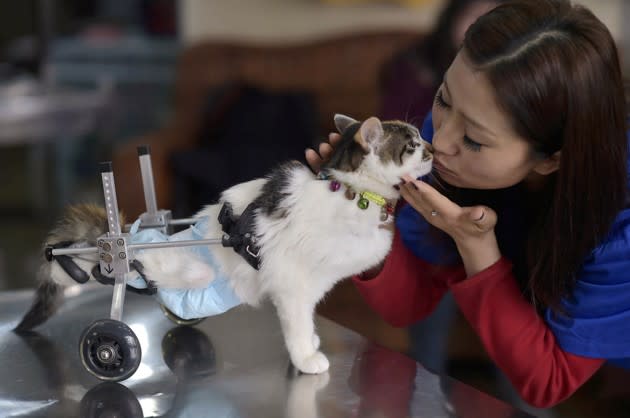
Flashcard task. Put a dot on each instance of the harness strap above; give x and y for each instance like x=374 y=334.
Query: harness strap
x=239 y=233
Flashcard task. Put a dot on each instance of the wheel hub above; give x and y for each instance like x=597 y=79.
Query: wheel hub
x=106 y=354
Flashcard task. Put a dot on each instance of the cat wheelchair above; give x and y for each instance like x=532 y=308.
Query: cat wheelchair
x=108 y=348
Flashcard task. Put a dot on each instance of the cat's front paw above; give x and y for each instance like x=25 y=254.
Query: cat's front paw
x=316 y=342
x=314 y=364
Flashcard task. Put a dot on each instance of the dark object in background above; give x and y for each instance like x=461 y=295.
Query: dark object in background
x=248 y=131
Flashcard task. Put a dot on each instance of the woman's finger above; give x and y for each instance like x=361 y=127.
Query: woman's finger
x=334 y=138
x=433 y=199
x=483 y=218
x=313 y=159
x=325 y=150
x=477 y=214
x=412 y=197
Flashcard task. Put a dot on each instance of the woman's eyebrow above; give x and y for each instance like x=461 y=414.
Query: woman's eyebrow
x=473 y=122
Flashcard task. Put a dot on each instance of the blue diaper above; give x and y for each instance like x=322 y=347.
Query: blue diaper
x=215 y=299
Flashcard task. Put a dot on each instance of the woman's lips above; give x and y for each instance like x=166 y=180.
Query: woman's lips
x=443 y=170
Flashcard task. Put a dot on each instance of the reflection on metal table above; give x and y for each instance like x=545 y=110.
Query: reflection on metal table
x=230 y=365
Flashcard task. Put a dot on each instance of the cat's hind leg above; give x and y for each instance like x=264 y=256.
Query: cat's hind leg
x=176 y=268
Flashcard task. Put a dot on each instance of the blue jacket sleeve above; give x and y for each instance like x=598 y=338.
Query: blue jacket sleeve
x=597 y=319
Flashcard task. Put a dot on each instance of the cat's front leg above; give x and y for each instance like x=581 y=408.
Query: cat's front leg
x=296 y=318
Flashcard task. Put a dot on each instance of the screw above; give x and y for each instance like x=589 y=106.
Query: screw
x=120 y=242
x=107 y=246
x=122 y=255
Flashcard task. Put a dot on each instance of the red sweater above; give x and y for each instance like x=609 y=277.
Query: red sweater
x=514 y=335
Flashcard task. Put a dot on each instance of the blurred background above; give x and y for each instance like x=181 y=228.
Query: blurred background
x=221 y=90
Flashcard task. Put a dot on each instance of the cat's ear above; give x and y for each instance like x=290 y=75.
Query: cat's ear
x=370 y=133
x=342 y=122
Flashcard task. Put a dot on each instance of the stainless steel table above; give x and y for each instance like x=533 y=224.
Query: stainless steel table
x=231 y=365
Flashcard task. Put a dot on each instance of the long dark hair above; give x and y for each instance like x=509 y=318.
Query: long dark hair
x=555 y=70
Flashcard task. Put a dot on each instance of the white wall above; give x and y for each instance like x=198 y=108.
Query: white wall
x=288 y=21
x=296 y=20
x=267 y=21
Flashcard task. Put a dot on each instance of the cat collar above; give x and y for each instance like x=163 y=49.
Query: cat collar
x=365 y=197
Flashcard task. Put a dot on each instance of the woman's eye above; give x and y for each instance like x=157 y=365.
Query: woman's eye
x=471 y=145
x=439 y=99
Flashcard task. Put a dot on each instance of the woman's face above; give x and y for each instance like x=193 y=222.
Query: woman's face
x=474 y=145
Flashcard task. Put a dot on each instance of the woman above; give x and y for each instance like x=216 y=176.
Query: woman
x=528 y=222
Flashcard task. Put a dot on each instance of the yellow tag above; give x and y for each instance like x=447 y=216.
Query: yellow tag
x=376 y=198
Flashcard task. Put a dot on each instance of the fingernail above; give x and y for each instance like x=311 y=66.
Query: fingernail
x=331 y=136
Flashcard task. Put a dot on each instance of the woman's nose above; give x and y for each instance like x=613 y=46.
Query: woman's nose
x=445 y=138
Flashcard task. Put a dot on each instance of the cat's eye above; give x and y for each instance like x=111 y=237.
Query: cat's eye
x=412 y=147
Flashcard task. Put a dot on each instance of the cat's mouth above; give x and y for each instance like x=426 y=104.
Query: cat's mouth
x=426 y=155
x=427 y=151
x=425 y=165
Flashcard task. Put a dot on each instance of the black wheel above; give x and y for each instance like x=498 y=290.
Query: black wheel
x=110 y=350
x=178 y=320
x=188 y=352
x=110 y=399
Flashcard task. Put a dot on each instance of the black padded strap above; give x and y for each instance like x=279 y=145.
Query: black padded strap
x=151 y=289
x=68 y=265
x=239 y=233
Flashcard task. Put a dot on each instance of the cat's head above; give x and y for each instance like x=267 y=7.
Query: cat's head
x=380 y=150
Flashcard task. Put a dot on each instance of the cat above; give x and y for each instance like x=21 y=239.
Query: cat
x=309 y=232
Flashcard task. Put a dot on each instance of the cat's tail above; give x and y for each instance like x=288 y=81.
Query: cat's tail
x=79 y=226
x=48 y=298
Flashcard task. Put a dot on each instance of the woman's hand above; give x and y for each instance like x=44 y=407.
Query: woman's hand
x=326 y=149
x=472 y=228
